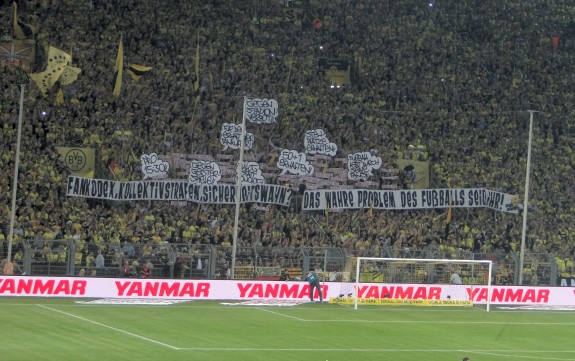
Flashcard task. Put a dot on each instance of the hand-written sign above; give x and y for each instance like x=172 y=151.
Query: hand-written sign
x=251 y=173
x=316 y=142
x=230 y=137
x=360 y=165
x=204 y=172
x=294 y=162
x=152 y=166
x=262 y=111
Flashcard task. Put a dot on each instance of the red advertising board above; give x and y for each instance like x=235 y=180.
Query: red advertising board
x=249 y=290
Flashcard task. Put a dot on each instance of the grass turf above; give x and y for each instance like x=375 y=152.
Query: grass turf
x=61 y=329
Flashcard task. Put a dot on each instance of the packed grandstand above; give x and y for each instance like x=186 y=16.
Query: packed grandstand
x=444 y=84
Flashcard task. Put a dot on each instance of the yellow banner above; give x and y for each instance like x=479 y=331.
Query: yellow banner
x=79 y=161
x=415 y=173
x=197 y=65
x=337 y=70
x=397 y=301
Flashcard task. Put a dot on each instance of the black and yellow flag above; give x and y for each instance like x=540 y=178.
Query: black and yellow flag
x=58 y=61
x=136 y=71
x=118 y=69
x=80 y=162
x=338 y=70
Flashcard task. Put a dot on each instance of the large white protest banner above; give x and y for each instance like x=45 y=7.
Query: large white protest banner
x=230 y=137
x=204 y=172
x=294 y=162
x=261 y=111
x=182 y=190
x=177 y=190
x=314 y=200
x=154 y=167
x=316 y=142
x=360 y=165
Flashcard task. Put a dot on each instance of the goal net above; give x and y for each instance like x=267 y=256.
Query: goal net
x=419 y=281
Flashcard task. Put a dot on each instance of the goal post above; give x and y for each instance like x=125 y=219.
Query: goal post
x=420 y=281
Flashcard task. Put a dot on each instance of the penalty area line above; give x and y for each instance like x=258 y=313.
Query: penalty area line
x=110 y=327
x=538 y=357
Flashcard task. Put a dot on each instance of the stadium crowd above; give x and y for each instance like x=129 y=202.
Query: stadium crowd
x=456 y=77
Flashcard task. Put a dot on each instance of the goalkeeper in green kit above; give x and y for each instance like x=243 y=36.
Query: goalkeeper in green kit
x=313 y=281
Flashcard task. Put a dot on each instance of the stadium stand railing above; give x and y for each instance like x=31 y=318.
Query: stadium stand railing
x=200 y=261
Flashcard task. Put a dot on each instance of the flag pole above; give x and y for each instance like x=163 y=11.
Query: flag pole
x=16 y=166
x=289 y=71
x=526 y=199
x=239 y=173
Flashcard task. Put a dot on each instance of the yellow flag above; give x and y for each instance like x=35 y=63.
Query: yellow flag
x=118 y=69
x=21 y=30
x=326 y=212
x=58 y=60
x=136 y=71
x=80 y=162
x=59 y=98
x=417 y=172
x=18 y=32
x=197 y=66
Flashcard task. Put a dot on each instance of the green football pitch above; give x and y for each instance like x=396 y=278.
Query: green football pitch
x=63 y=329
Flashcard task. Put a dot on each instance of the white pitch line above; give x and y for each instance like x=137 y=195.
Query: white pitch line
x=507 y=353
x=281 y=314
x=452 y=322
x=308 y=350
x=524 y=357
x=111 y=328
